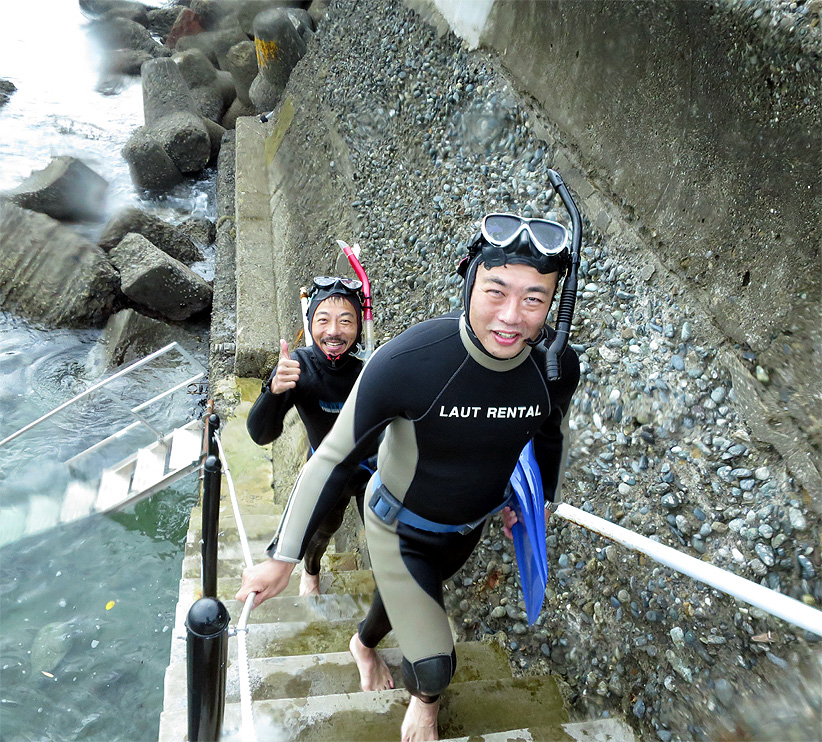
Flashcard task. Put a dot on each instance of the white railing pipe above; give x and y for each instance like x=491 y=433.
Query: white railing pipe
x=248 y=732
x=764 y=598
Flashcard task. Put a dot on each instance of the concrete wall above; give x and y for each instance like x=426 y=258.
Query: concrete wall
x=702 y=121
x=288 y=213
x=692 y=124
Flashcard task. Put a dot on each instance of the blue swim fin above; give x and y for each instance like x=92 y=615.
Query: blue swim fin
x=529 y=531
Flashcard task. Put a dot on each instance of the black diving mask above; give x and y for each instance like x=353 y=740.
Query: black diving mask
x=547 y=237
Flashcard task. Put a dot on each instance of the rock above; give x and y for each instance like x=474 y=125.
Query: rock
x=212 y=92
x=51 y=274
x=186 y=139
x=248 y=10
x=214 y=44
x=797 y=519
x=170 y=240
x=161 y=20
x=303 y=22
x=172 y=116
x=66 y=189
x=155 y=280
x=101 y=7
x=241 y=63
x=130 y=11
x=165 y=91
x=51 y=644
x=215 y=137
x=126 y=61
x=150 y=166
x=7 y=87
x=235 y=110
x=121 y=33
x=187 y=23
x=209 y=12
x=199 y=229
x=279 y=48
x=129 y=336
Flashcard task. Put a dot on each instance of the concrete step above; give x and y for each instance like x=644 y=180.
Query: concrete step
x=257 y=528
x=332 y=673
x=249 y=511
x=468 y=709
x=228 y=548
x=598 y=730
x=355 y=582
x=231 y=561
x=292 y=608
x=299 y=638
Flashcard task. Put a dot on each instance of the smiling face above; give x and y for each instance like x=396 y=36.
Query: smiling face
x=334 y=326
x=509 y=305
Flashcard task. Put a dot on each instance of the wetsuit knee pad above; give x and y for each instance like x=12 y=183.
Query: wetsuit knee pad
x=429 y=676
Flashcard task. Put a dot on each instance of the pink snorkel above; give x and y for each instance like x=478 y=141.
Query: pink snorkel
x=368 y=316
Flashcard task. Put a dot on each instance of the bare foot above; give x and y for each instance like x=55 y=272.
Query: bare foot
x=309 y=584
x=420 y=722
x=374 y=673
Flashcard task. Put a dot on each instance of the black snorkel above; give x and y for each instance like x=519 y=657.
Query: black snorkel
x=568 y=299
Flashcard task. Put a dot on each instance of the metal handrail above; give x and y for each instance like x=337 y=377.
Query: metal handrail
x=100 y=384
x=777 y=604
x=207 y=623
x=166 y=393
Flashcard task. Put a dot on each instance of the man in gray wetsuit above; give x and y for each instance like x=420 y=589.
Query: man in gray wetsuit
x=457 y=398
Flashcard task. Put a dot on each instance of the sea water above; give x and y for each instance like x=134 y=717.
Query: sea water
x=86 y=611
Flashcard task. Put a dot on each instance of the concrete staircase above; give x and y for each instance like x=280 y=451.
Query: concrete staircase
x=304 y=683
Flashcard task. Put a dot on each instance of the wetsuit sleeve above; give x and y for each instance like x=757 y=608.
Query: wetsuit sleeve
x=373 y=403
x=265 y=419
x=552 y=442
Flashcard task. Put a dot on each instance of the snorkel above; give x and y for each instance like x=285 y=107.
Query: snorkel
x=304 y=301
x=567 y=301
x=352 y=253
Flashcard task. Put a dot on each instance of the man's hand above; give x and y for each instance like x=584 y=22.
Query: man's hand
x=287 y=373
x=267 y=579
x=509 y=517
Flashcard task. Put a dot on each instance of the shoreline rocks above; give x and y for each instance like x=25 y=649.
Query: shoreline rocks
x=51 y=274
x=66 y=189
x=171 y=240
x=158 y=282
x=7 y=88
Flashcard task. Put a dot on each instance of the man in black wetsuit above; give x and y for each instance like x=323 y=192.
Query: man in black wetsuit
x=457 y=397
x=317 y=380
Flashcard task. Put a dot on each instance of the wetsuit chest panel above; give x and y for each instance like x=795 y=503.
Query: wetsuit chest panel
x=321 y=392
x=470 y=439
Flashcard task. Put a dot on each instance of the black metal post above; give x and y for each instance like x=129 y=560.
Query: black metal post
x=211 y=516
x=206 y=653
x=213 y=424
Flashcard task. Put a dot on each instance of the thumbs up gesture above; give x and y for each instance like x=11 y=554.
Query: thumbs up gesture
x=287 y=371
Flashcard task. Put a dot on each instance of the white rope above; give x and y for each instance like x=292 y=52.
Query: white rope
x=247 y=731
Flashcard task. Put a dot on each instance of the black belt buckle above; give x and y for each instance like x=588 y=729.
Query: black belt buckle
x=385 y=506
